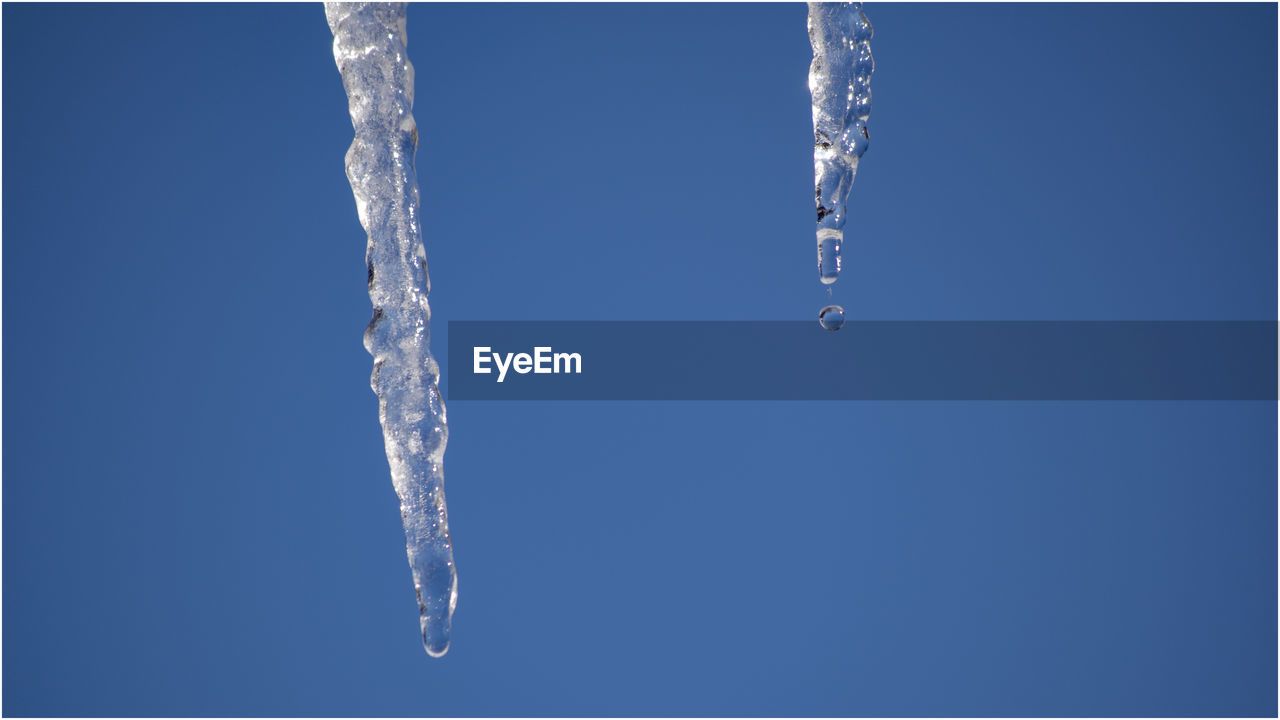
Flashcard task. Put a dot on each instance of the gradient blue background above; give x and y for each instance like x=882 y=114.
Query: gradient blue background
x=198 y=518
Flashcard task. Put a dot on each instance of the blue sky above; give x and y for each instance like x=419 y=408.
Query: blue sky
x=198 y=518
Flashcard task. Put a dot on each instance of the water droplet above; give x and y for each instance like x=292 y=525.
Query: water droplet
x=831 y=317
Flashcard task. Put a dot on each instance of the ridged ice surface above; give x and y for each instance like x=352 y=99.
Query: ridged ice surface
x=840 y=82
x=369 y=46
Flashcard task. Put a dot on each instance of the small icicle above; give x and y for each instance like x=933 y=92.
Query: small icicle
x=840 y=83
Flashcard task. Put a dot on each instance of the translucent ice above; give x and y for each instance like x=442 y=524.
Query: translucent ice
x=840 y=83
x=369 y=46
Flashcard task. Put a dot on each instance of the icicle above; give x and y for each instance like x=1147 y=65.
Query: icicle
x=840 y=82
x=369 y=46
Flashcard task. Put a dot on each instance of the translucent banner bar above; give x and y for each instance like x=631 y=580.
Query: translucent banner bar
x=863 y=361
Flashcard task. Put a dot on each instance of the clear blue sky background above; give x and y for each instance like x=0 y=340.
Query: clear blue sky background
x=198 y=518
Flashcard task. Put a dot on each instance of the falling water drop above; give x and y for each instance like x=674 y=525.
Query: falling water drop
x=831 y=317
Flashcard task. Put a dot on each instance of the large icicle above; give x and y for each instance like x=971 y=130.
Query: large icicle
x=840 y=82
x=369 y=46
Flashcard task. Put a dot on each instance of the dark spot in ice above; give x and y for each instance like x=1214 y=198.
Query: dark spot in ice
x=865 y=134
x=817 y=199
x=370 y=274
x=377 y=315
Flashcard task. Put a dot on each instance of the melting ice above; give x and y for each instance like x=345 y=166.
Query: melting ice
x=369 y=46
x=840 y=83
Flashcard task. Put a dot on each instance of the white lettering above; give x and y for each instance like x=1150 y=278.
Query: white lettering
x=502 y=367
x=541 y=355
x=542 y=362
x=567 y=357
